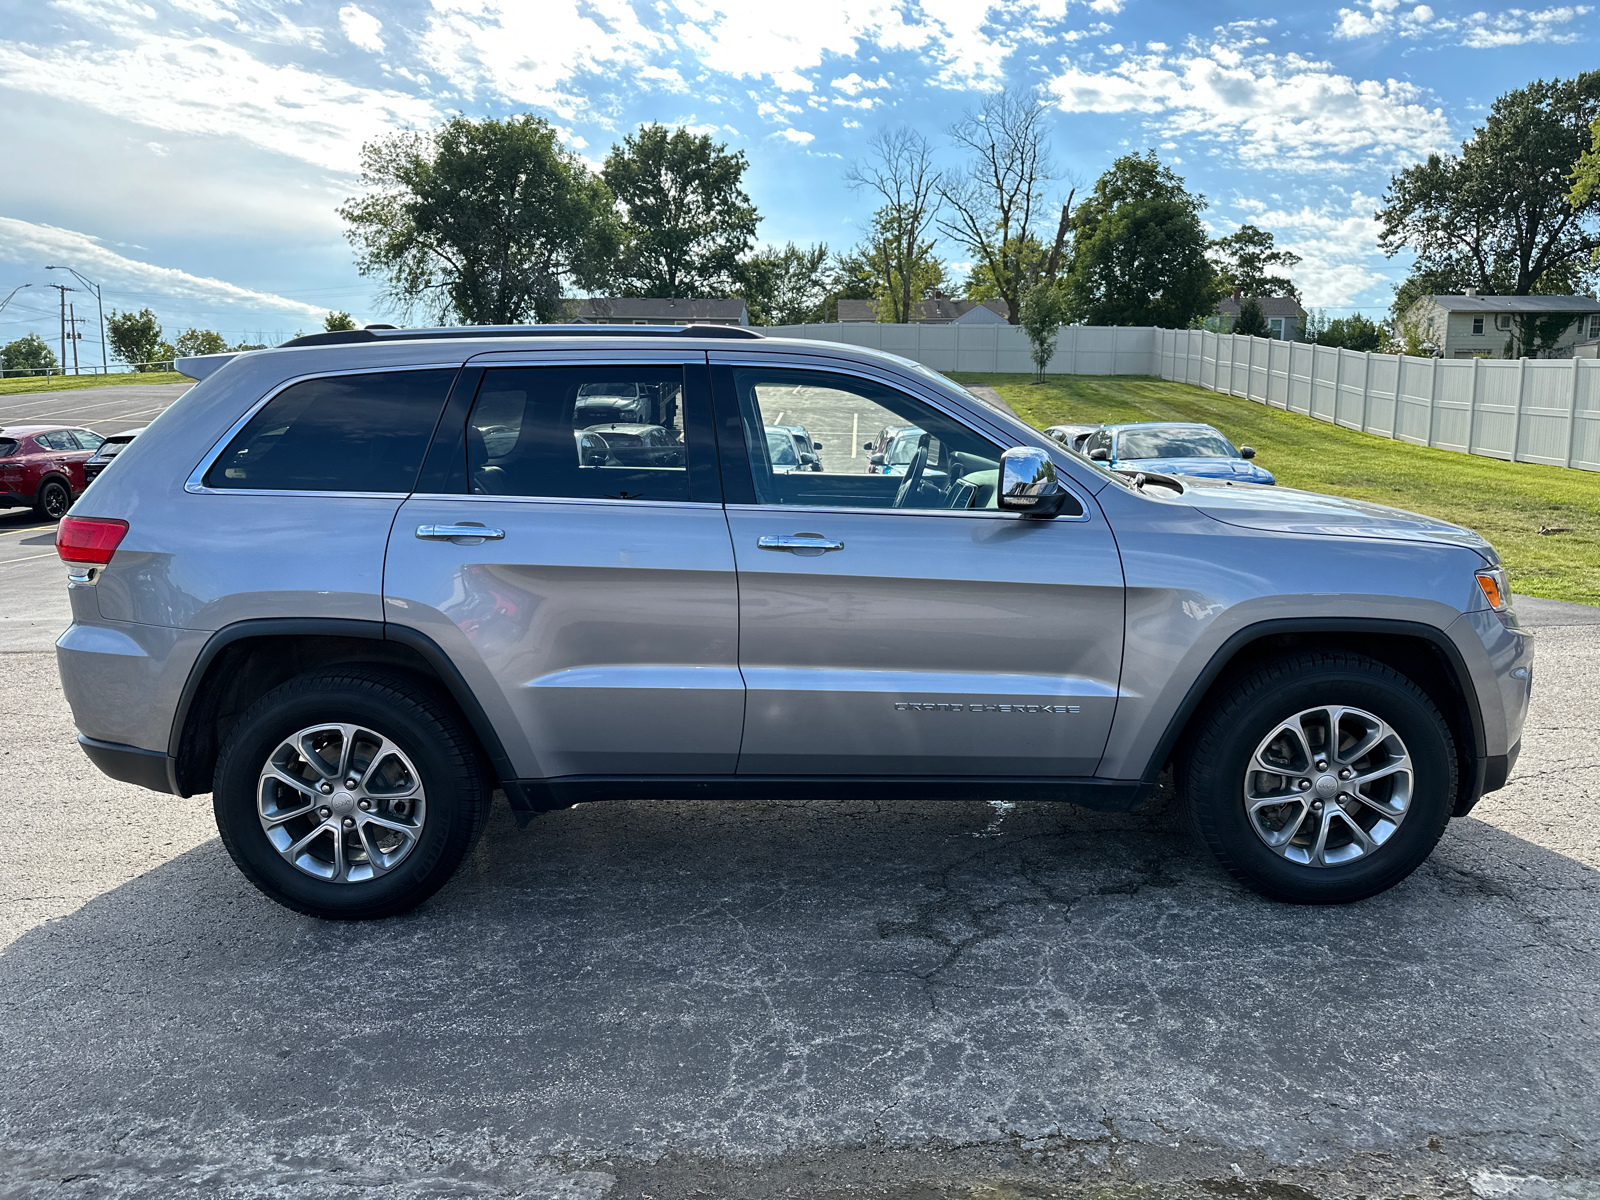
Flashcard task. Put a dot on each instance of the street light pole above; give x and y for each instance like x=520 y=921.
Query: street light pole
x=14 y=291
x=95 y=288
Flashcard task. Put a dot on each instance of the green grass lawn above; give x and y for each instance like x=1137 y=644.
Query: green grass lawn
x=67 y=383
x=1508 y=503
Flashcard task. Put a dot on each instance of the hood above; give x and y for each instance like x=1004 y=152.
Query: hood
x=1289 y=510
x=1204 y=468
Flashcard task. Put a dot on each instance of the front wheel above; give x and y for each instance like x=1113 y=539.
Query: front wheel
x=1321 y=778
x=349 y=795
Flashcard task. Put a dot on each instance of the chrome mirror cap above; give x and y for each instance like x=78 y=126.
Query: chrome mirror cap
x=1028 y=482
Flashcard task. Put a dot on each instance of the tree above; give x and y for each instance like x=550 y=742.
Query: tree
x=686 y=220
x=484 y=222
x=1352 y=333
x=1251 y=321
x=897 y=295
x=993 y=207
x=1244 y=259
x=851 y=279
x=902 y=173
x=194 y=342
x=1498 y=216
x=981 y=284
x=337 y=322
x=136 y=339
x=787 y=285
x=1139 y=250
x=1044 y=311
x=29 y=355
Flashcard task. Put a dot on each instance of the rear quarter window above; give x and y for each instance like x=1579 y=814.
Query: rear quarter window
x=8 y=446
x=344 y=433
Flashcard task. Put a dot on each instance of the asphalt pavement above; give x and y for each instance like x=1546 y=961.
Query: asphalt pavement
x=818 y=999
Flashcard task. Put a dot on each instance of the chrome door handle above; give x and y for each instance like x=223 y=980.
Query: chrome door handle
x=800 y=543
x=465 y=529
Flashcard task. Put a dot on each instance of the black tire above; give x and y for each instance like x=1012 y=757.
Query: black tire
x=424 y=729
x=53 y=500
x=1212 y=774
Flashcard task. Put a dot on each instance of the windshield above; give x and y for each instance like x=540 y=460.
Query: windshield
x=780 y=446
x=1173 y=443
x=904 y=448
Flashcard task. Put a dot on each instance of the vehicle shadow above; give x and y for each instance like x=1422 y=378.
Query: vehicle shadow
x=631 y=980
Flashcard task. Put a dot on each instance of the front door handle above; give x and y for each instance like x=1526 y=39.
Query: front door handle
x=464 y=533
x=799 y=543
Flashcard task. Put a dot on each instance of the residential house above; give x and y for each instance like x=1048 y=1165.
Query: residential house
x=940 y=309
x=652 y=310
x=1285 y=318
x=856 y=312
x=1474 y=326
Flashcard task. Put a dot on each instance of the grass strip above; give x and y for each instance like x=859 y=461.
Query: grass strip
x=19 y=385
x=1544 y=521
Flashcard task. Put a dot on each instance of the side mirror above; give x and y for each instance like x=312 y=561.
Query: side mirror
x=816 y=445
x=866 y=445
x=876 y=460
x=1247 y=451
x=1028 y=483
x=1100 y=454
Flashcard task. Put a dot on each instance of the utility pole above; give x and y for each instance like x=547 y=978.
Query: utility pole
x=94 y=288
x=74 y=320
x=63 y=289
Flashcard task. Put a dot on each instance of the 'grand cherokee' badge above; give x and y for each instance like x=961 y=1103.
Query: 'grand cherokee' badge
x=944 y=706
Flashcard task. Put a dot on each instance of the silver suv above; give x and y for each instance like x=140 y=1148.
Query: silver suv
x=352 y=585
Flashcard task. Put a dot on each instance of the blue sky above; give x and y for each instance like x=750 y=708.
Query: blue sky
x=188 y=154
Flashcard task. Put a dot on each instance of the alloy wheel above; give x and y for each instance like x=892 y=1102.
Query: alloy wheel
x=1328 y=786
x=341 y=803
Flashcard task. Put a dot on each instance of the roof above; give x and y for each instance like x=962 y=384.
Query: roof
x=1535 y=304
x=22 y=431
x=944 y=309
x=858 y=310
x=1271 y=306
x=660 y=308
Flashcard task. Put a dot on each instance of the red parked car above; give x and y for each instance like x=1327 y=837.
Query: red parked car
x=41 y=467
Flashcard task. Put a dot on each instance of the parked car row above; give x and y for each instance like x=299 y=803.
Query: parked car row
x=47 y=467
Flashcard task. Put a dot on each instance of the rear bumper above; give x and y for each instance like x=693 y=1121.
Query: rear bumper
x=147 y=768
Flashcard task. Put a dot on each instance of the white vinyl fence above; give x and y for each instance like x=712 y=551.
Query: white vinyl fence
x=1525 y=410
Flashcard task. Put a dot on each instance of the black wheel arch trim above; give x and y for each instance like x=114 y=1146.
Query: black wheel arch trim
x=1472 y=788
x=349 y=627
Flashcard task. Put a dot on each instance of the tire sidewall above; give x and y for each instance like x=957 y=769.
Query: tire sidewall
x=1426 y=738
x=446 y=823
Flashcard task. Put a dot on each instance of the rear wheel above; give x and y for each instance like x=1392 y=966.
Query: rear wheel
x=1321 y=778
x=349 y=795
x=53 y=500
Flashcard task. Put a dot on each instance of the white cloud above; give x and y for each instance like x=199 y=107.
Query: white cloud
x=1284 y=112
x=853 y=85
x=29 y=244
x=1517 y=27
x=206 y=86
x=362 y=28
x=1478 y=31
x=797 y=136
x=1337 y=243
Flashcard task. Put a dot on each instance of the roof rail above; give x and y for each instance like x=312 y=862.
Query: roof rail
x=391 y=334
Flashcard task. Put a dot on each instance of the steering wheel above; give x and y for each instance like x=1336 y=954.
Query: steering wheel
x=913 y=475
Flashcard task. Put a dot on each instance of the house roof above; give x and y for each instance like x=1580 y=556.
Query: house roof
x=943 y=309
x=643 y=308
x=1271 y=306
x=858 y=310
x=1501 y=304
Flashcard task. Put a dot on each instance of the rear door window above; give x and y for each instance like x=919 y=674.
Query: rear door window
x=87 y=439
x=343 y=433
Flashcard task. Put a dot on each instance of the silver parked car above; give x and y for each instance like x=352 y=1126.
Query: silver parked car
x=351 y=585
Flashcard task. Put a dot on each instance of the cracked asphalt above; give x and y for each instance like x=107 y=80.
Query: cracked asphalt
x=905 y=1001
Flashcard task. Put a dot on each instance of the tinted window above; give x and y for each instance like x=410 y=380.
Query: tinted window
x=919 y=459
x=1173 y=443
x=87 y=439
x=612 y=433
x=347 y=433
x=58 y=440
x=7 y=446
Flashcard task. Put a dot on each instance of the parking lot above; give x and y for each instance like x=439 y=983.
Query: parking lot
x=816 y=999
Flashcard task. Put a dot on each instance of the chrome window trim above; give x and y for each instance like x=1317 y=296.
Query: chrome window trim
x=492 y=360
x=195 y=487
x=982 y=514
x=598 y=501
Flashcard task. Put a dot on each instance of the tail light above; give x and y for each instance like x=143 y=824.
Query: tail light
x=89 y=539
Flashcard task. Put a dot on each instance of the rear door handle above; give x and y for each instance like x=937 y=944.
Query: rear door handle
x=799 y=543
x=468 y=533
